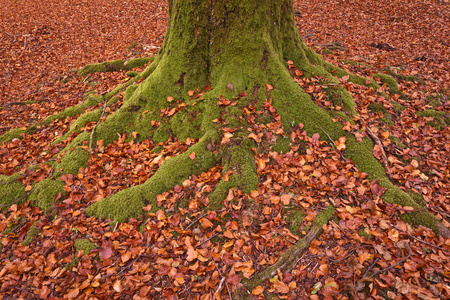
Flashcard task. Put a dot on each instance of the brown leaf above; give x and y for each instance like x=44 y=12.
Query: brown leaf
x=105 y=253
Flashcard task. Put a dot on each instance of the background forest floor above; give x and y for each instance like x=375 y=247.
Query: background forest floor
x=368 y=250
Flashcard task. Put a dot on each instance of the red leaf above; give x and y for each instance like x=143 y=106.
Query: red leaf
x=234 y=279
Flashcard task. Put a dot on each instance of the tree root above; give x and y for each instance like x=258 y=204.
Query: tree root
x=289 y=259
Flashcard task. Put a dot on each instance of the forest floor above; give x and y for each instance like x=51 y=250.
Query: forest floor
x=186 y=252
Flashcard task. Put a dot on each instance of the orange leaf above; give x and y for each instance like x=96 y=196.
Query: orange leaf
x=269 y=87
x=191 y=93
x=206 y=223
x=145 y=111
x=134 y=133
x=72 y=294
x=170 y=99
x=117 y=286
x=192 y=155
x=191 y=254
x=285 y=199
x=281 y=287
x=258 y=290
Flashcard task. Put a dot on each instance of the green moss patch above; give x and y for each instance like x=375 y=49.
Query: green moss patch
x=440 y=118
x=84 y=245
x=45 y=192
x=31 y=233
x=114 y=65
x=391 y=83
x=11 y=190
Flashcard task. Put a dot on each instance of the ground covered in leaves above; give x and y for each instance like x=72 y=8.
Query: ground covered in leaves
x=186 y=251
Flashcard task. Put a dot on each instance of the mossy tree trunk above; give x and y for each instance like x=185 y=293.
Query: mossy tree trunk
x=232 y=49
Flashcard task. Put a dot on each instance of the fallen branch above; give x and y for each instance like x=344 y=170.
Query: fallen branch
x=332 y=143
x=383 y=153
x=417 y=239
x=8 y=75
x=93 y=129
x=289 y=259
x=397 y=263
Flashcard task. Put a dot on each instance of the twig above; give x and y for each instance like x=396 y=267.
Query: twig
x=13 y=35
x=223 y=277
x=278 y=231
x=332 y=143
x=370 y=267
x=219 y=288
x=206 y=240
x=195 y=221
x=134 y=260
x=397 y=263
x=93 y=129
x=383 y=153
x=17 y=200
x=8 y=75
x=417 y=239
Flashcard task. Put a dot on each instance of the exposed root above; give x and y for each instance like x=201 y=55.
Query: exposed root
x=239 y=171
x=289 y=259
x=128 y=203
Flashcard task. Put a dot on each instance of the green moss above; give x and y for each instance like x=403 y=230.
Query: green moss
x=377 y=107
x=440 y=118
x=323 y=217
x=84 y=245
x=391 y=83
x=283 y=145
x=364 y=233
x=398 y=108
x=132 y=73
x=10 y=191
x=114 y=65
x=31 y=233
x=157 y=149
x=45 y=192
x=239 y=160
x=294 y=217
x=72 y=161
x=12 y=134
x=355 y=63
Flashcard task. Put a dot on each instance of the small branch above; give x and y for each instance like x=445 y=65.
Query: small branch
x=8 y=75
x=397 y=263
x=93 y=129
x=195 y=221
x=18 y=200
x=219 y=288
x=223 y=277
x=383 y=153
x=12 y=35
x=370 y=267
x=332 y=143
x=278 y=231
x=206 y=240
x=417 y=239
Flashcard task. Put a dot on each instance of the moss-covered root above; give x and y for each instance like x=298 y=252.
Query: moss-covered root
x=128 y=203
x=239 y=171
x=361 y=154
x=287 y=261
x=11 y=191
x=114 y=65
